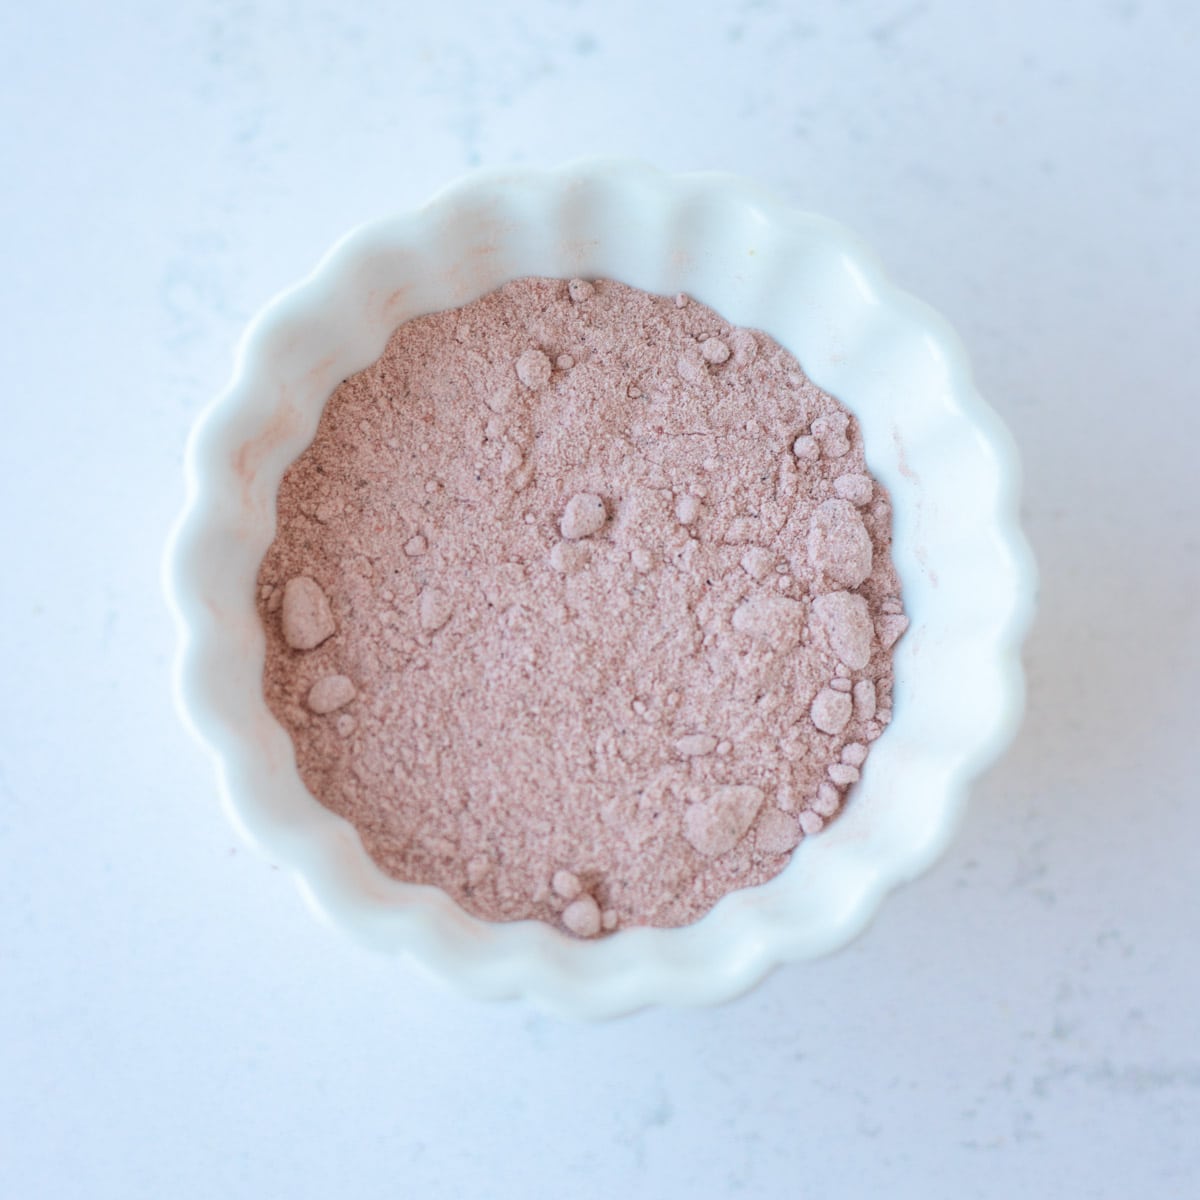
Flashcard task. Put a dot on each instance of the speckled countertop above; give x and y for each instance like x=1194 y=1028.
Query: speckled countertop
x=1023 y=1021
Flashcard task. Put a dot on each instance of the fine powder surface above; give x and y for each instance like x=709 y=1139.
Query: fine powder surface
x=581 y=606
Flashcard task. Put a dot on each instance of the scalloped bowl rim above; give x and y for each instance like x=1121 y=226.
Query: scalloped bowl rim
x=859 y=327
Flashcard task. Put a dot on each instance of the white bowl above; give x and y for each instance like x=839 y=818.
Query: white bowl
x=967 y=575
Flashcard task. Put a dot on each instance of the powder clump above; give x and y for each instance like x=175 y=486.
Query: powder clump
x=714 y=826
x=585 y=514
x=838 y=543
x=533 y=369
x=306 y=619
x=582 y=917
x=330 y=693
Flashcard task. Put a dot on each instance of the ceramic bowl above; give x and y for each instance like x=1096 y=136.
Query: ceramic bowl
x=967 y=576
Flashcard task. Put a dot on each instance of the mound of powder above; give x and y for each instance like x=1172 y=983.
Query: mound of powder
x=581 y=606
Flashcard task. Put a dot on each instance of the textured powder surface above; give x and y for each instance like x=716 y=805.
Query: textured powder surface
x=581 y=606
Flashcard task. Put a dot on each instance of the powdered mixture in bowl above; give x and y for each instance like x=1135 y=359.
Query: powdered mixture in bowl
x=580 y=606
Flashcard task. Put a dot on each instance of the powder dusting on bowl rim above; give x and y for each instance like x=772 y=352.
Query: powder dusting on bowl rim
x=950 y=466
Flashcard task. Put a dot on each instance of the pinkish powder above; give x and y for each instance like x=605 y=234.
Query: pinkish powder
x=581 y=606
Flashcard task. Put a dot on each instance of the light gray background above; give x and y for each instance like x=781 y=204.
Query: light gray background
x=1024 y=1021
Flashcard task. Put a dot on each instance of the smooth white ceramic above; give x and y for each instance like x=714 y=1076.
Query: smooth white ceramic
x=951 y=467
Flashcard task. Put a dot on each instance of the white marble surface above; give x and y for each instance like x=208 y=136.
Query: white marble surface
x=1023 y=1021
